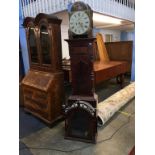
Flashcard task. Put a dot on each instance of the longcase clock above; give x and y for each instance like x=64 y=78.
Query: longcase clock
x=80 y=110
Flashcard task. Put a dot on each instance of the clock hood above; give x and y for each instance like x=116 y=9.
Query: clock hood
x=80 y=6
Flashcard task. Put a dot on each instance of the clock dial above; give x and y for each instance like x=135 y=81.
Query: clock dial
x=79 y=22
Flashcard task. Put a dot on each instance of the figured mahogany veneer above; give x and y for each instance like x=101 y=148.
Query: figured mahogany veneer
x=107 y=70
x=43 y=94
x=43 y=87
x=120 y=51
x=81 y=118
x=80 y=110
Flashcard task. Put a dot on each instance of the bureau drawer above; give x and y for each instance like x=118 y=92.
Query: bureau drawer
x=28 y=92
x=36 y=99
x=33 y=107
x=40 y=109
x=39 y=96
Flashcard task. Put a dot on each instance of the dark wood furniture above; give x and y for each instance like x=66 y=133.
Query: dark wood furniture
x=105 y=66
x=43 y=85
x=107 y=70
x=21 y=76
x=80 y=110
x=120 y=51
x=103 y=71
x=119 y=63
x=132 y=152
x=67 y=71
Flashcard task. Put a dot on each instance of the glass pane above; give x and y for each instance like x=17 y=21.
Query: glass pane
x=45 y=45
x=33 y=46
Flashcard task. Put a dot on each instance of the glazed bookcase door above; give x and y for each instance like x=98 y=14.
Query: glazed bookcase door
x=33 y=46
x=45 y=45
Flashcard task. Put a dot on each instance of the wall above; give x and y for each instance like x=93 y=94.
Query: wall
x=23 y=43
x=125 y=36
x=116 y=33
x=64 y=35
x=133 y=60
x=64 y=32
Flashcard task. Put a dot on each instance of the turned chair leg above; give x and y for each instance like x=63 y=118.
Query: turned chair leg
x=120 y=80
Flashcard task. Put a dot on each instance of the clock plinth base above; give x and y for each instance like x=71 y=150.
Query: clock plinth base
x=81 y=120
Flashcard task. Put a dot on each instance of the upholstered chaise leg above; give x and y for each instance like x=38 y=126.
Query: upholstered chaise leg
x=120 y=80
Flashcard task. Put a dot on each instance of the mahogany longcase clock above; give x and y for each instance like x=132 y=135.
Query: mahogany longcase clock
x=43 y=85
x=80 y=110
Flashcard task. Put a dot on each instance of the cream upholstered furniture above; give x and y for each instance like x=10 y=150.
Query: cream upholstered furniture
x=107 y=108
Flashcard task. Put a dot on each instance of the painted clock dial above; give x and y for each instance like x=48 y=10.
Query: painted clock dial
x=79 y=22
